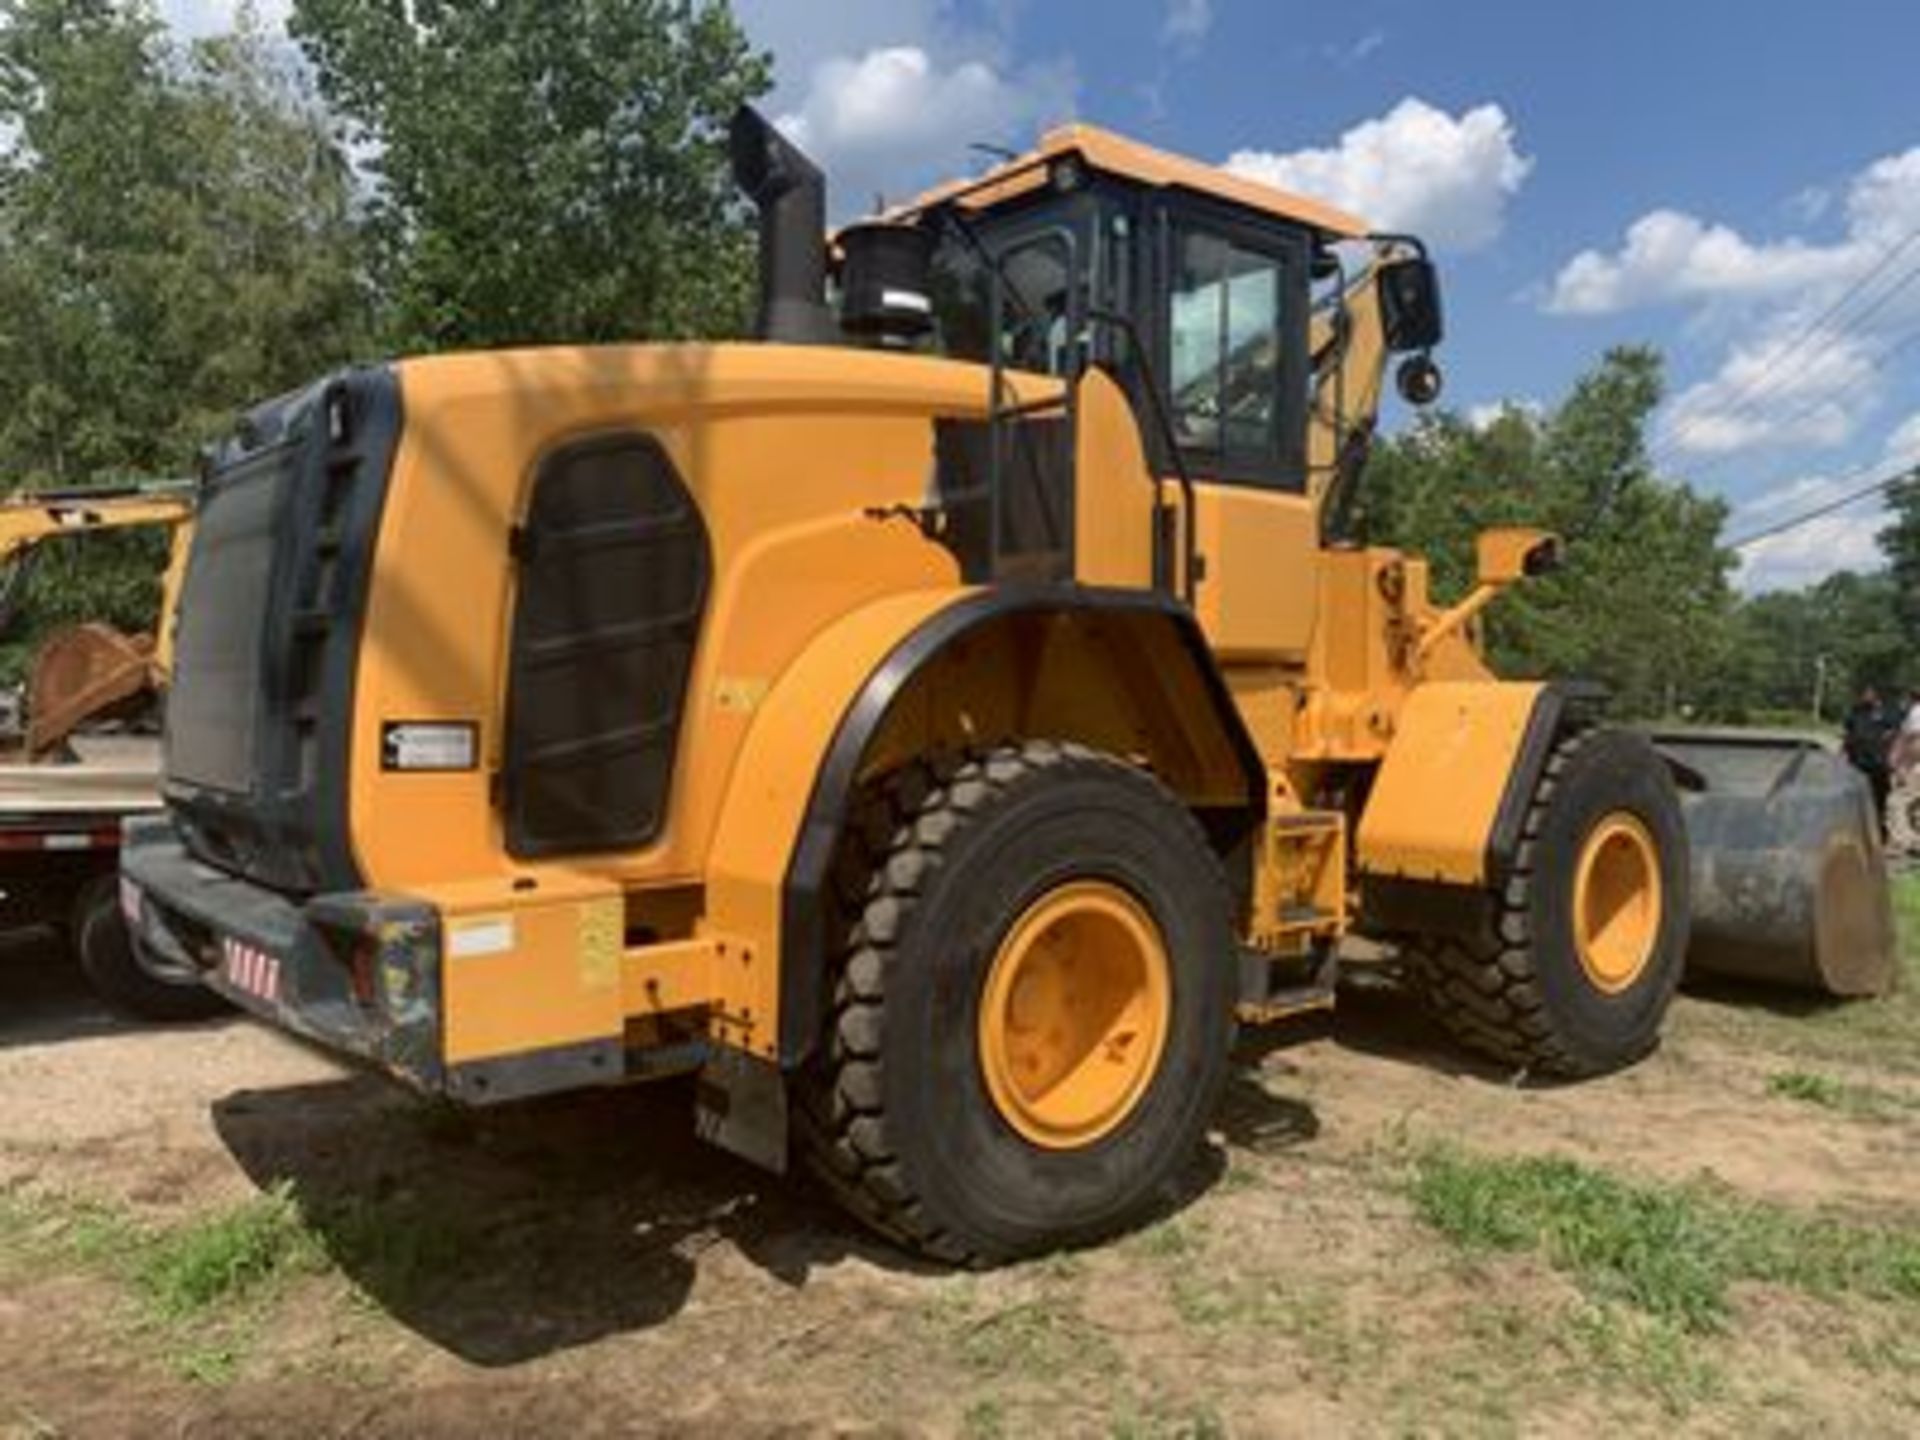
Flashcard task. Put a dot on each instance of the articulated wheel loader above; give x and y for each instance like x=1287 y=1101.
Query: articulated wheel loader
x=938 y=723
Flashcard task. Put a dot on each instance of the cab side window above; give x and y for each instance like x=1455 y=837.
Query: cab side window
x=1233 y=368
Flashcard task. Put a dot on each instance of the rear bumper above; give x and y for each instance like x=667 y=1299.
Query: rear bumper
x=356 y=973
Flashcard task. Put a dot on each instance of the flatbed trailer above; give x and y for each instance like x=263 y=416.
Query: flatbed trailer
x=60 y=832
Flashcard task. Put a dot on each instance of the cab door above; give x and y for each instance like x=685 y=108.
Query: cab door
x=1232 y=304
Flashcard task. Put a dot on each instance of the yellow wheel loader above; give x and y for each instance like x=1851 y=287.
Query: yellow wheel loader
x=938 y=723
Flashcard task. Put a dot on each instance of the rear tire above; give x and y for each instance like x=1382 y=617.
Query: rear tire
x=946 y=868
x=115 y=971
x=1526 y=991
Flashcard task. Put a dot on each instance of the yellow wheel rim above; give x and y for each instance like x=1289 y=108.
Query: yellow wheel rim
x=1617 y=902
x=1075 y=1013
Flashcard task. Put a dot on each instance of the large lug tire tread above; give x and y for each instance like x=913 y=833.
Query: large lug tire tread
x=111 y=966
x=903 y=833
x=1489 y=991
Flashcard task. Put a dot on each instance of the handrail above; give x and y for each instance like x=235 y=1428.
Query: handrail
x=1190 y=545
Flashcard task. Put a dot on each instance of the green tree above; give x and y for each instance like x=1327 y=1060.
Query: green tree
x=176 y=241
x=1900 y=543
x=1834 y=638
x=546 y=170
x=1643 y=603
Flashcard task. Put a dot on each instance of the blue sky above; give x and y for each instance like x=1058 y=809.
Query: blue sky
x=1711 y=178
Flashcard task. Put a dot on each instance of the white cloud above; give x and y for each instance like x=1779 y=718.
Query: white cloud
x=1903 y=444
x=1668 y=256
x=1416 y=168
x=1188 y=21
x=894 y=120
x=1808 y=554
x=888 y=94
x=1671 y=256
x=1771 y=390
x=1809 y=322
x=1843 y=540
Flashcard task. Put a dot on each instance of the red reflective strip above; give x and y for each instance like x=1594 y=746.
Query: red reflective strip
x=14 y=840
x=252 y=969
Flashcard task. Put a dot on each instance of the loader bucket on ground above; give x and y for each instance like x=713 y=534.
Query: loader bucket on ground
x=1789 y=878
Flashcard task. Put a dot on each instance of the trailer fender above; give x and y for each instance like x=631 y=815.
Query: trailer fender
x=923 y=669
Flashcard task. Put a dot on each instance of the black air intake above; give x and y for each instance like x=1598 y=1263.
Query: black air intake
x=788 y=190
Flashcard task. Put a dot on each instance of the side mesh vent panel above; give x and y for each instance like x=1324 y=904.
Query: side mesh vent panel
x=613 y=570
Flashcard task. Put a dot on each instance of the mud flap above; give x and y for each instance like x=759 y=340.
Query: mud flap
x=1789 y=878
x=740 y=1105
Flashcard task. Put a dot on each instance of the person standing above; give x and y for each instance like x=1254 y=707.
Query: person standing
x=1903 y=765
x=1866 y=741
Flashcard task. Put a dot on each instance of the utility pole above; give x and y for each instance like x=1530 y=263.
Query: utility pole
x=1819 y=685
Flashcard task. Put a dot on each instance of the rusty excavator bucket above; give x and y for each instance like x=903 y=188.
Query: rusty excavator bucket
x=85 y=673
x=1789 y=876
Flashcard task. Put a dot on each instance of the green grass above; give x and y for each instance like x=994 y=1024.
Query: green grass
x=193 y=1286
x=1668 y=1251
x=1646 y=1353
x=228 y=1256
x=197 y=1286
x=1866 y=1102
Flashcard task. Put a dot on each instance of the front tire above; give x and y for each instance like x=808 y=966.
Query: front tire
x=1585 y=943
x=1034 y=1012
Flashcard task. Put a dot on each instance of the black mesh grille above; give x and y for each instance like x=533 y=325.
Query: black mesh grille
x=612 y=579
x=214 y=710
x=260 y=714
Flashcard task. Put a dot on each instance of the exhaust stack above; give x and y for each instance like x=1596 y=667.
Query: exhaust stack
x=791 y=196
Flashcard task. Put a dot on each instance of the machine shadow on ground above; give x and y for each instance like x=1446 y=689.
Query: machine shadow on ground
x=509 y=1235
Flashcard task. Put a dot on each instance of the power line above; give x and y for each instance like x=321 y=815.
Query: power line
x=1794 y=413
x=1807 y=517
x=1756 y=384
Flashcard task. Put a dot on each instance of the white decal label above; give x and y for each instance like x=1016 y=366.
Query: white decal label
x=410 y=745
x=906 y=300
x=491 y=936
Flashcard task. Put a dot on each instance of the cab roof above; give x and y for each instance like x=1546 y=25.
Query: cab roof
x=1111 y=154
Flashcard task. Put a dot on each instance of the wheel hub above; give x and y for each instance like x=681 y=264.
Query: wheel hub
x=1075 y=1014
x=1617 y=902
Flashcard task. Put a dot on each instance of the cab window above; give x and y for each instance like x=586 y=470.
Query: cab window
x=1235 y=374
x=1031 y=329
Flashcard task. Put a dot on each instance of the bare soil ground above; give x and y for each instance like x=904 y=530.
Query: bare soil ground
x=212 y=1231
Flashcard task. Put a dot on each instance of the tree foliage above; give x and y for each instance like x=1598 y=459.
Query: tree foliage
x=1643 y=603
x=1900 y=543
x=547 y=170
x=175 y=241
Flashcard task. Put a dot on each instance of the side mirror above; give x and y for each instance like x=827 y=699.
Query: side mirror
x=1410 y=304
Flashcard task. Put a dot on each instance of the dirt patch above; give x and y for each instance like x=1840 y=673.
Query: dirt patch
x=586 y=1263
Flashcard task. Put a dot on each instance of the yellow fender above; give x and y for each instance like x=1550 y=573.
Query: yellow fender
x=801 y=762
x=1449 y=799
